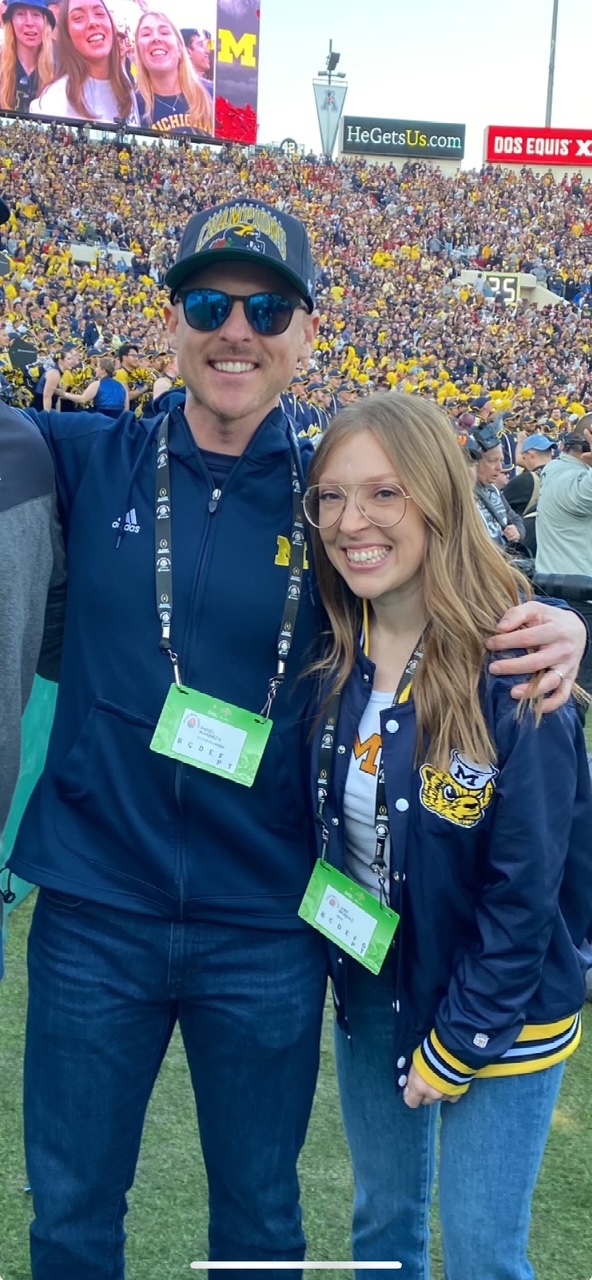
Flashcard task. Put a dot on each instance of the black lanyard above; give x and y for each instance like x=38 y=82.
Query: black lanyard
x=164 y=563
x=326 y=763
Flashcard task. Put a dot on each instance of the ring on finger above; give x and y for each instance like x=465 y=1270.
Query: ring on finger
x=558 y=673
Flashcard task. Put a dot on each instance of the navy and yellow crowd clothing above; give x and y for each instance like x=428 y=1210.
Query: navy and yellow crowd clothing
x=112 y=821
x=170 y=114
x=491 y=873
x=65 y=381
x=110 y=397
x=305 y=414
x=27 y=88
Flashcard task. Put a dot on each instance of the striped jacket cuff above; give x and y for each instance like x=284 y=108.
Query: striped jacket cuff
x=439 y=1068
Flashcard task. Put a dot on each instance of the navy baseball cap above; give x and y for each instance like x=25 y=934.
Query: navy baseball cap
x=42 y=5
x=4 y=212
x=541 y=443
x=246 y=231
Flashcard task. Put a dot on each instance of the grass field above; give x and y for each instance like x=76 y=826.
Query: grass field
x=167 y=1222
x=168 y=1215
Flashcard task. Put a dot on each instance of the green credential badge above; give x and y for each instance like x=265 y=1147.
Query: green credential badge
x=209 y=734
x=350 y=916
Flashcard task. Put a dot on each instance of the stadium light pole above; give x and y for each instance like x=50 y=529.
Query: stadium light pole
x=330 y=88
x=551 y=79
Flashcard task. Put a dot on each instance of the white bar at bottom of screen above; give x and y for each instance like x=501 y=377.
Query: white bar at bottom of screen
x=295 y=1266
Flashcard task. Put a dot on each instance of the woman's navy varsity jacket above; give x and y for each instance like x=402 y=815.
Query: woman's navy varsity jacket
x=491 y=872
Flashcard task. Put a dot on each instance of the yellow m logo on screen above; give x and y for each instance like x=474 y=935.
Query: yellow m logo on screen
x=233 y=50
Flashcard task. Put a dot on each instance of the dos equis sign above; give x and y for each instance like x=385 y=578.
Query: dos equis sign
x=505 y=144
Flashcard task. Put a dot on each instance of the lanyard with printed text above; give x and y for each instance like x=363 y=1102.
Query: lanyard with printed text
x=164 y=563
x=326 y=761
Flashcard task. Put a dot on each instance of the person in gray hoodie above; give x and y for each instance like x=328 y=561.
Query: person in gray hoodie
x=32 y=585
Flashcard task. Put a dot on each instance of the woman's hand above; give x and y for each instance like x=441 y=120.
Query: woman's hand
x=419 y=1094
x=556 y=639
x=511 y=533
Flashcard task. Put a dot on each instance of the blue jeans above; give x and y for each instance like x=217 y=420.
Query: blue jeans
x=106 y=990
x=491 y=1149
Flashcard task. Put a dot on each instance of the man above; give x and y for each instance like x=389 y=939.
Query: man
x=170 y=892
x=485 y=409
x=32 y=580
x=522 y=491
x=564 y=519
x=199 y=48
x=489 y=417
x=92 y=332
x=129 y=361
x=501 y=522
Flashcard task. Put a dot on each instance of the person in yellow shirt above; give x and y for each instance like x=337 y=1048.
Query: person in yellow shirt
x=129 y=360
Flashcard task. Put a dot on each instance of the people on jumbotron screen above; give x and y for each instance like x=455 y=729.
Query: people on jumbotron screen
x=171 y=97
x=90 y=83
x=199 y=48
x=27 y=57
x=126 y=49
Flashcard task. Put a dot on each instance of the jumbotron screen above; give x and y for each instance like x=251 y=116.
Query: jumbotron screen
x=192 y=70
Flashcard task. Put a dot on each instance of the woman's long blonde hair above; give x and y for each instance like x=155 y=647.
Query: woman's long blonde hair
x=45 y=67
x=467 y=582
x=200 y=108
x=72 y=65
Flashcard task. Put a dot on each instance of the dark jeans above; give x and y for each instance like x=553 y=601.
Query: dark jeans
x=106 y=990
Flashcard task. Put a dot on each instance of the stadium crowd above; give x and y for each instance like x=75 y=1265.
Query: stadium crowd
x=389 y=249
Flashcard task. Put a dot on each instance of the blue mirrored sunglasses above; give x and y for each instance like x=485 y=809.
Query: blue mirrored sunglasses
x=267 y=313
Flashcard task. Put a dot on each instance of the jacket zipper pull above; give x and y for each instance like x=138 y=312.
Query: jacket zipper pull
x=214 y=500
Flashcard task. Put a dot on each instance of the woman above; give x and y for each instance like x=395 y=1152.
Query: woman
x=104 y=394
x=167 y=374
x=475 y=824
x=26 y=60
x=49 y=387
x=171 y=97
x=91 y=83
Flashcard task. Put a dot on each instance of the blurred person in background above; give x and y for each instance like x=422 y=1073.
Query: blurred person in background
x=32 y=578
x=57 y=375
x=522 y=491
x=130 y=373
x=27 y=58
x=503 y=525
x=564 y=520
x=166 y=371
x=106 y=393
x=55 y=6
x=126 y=49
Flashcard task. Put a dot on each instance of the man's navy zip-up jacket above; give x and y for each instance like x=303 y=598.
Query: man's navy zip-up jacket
x=491 y=873
x=111 y=820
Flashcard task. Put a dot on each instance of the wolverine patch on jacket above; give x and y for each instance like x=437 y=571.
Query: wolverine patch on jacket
x=461 y=796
